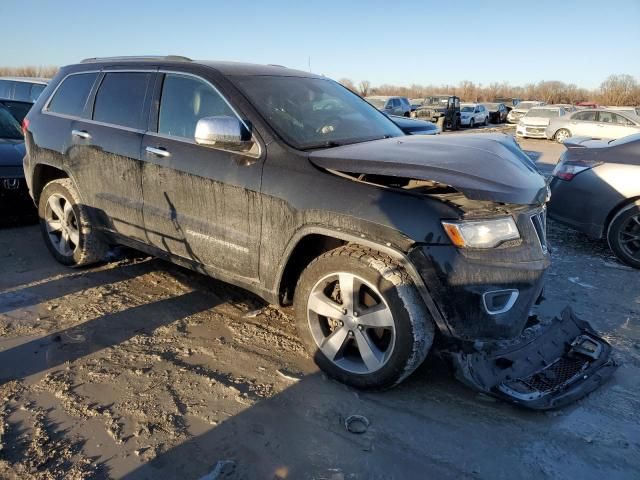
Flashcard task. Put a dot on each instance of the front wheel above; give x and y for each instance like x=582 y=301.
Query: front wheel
x=562 y=135
x=486 y=121
x=362 y=318
x=472 y=123
x=623 y=235
x=65 y=226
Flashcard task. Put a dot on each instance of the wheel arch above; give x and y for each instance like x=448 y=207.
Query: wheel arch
x=293 y=266
x=44 y=173
x=617 y=209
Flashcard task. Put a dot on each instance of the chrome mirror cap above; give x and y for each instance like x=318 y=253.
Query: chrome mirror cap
x=219 y=131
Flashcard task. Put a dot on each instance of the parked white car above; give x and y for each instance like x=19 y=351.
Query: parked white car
x=594 y=123
x=521 y=109
x=472 y=114
x=535 y=122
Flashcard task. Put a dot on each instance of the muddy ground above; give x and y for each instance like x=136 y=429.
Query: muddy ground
x=138 y=369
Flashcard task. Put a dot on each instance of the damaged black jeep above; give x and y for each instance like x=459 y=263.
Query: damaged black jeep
x=287 y=184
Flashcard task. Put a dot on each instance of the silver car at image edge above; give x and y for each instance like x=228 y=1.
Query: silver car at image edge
x=594 y=123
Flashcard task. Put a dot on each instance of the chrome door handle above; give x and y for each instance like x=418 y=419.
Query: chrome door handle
x=81 y=134
x=160 y=152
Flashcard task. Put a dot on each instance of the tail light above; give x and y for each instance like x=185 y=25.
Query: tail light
x=566 y=170
x=25 y=126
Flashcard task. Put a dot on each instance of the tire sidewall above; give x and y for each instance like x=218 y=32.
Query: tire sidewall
x=58 y=187
x=393 y=371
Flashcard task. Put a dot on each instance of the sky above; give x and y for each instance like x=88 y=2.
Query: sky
x=397 y=42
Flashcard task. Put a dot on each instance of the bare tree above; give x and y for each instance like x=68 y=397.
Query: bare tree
x=620 y=90
x=29 y=71
x=347 y=82
x=364 y=88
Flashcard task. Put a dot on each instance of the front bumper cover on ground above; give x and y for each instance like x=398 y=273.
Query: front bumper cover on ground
x=549 y=366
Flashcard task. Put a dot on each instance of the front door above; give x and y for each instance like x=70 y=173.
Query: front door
x=200 y=203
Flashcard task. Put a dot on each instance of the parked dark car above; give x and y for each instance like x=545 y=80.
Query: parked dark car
x=596 y=189
x=497 y=112
x=508 y=102
x=15 y=202
x=23 y=89
x=289 y=185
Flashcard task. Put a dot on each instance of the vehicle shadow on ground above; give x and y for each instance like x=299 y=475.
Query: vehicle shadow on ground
x=43 y=353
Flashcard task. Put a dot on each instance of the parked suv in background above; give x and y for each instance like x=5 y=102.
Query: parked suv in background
x=399 y=106
x=289 y=185
x=473 y=114
x=23 y=89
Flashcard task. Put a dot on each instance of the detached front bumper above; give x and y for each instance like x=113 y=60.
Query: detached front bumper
x=547 y=367
x=531 y=131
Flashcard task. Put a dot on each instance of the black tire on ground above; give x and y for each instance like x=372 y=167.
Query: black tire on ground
x=407 y=114
x=486 y=121
x=91 y=247
x=414 y=329
x=623 y=234
x=472 y=124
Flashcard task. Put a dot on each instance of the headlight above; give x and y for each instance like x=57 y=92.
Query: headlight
x=481 y=233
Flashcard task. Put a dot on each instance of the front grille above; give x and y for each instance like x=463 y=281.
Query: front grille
x=556 y=374
x=539 y=221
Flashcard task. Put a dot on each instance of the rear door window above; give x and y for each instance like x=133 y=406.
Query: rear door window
x=120 y=99
x=70 y=98
x=184 y=101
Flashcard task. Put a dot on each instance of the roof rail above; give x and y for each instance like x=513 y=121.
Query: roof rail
x=171 y=58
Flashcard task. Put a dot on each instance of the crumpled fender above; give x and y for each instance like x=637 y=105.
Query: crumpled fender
x=549 y=366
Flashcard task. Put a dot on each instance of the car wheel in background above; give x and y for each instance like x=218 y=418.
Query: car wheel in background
x=471 y=123
x=562 y=135
x=407 y=114
x=362 y=318
x=623 y=234
x=65 y=226
x=486 y=121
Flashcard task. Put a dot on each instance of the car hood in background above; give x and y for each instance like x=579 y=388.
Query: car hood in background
x=11 y=152
x=482 y=167
x=536 y=121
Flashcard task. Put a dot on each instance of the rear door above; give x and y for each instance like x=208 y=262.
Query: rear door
x=105 y=156
x=200 y=203
x=611 y=125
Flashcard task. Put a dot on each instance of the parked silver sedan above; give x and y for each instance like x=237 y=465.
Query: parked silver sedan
x=593 y=123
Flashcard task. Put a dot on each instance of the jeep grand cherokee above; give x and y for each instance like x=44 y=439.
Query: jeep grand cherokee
x=289 y=185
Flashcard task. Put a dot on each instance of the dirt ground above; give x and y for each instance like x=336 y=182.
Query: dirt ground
x=138 y=369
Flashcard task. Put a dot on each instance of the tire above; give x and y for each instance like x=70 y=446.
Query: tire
x=83 y=246
x=562 y=135
x=472 y=124
x=623 y=234
x=486 y=121
x=407 y=114
x=399 y=346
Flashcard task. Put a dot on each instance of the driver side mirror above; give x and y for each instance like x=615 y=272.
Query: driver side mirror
x=225 y=133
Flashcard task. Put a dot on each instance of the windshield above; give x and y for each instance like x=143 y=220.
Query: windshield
x=376 y=102
x=543 y=113
x=315 y=112
x=526 y=105
x=467 y=108
x=436 y=100
x=9 y=127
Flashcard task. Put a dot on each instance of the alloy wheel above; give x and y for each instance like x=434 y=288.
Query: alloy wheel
x=351 y=322
x=562 y=135
x=629 y=237
x=62 y=225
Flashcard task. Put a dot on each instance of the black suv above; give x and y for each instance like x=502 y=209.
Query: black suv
x=289 y=185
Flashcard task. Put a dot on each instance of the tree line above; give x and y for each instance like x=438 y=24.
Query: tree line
x=615 y=90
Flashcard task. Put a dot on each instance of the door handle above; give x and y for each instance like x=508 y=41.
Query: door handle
x=159 y=152
x=81 y=134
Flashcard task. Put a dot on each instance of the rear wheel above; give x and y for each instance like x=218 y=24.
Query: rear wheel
x=361 y=318
x=65 y=226
x=562 y=135
x=623 y=235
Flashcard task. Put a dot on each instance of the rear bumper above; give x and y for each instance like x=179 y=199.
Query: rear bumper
x=547 y=367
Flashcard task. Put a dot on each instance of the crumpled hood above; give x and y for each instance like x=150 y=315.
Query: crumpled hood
x=11 y=152
x=482 y=167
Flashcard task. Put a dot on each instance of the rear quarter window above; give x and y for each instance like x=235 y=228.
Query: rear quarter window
x=71 y=96
x=120 y=99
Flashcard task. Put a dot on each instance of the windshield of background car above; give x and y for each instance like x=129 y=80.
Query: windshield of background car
x=315 y=112
x=526 y=105
x=542 y=113
x=9 y=126
x=492 y=106
x=467 y=108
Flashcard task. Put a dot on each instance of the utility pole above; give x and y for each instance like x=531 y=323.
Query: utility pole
x=309 y=62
